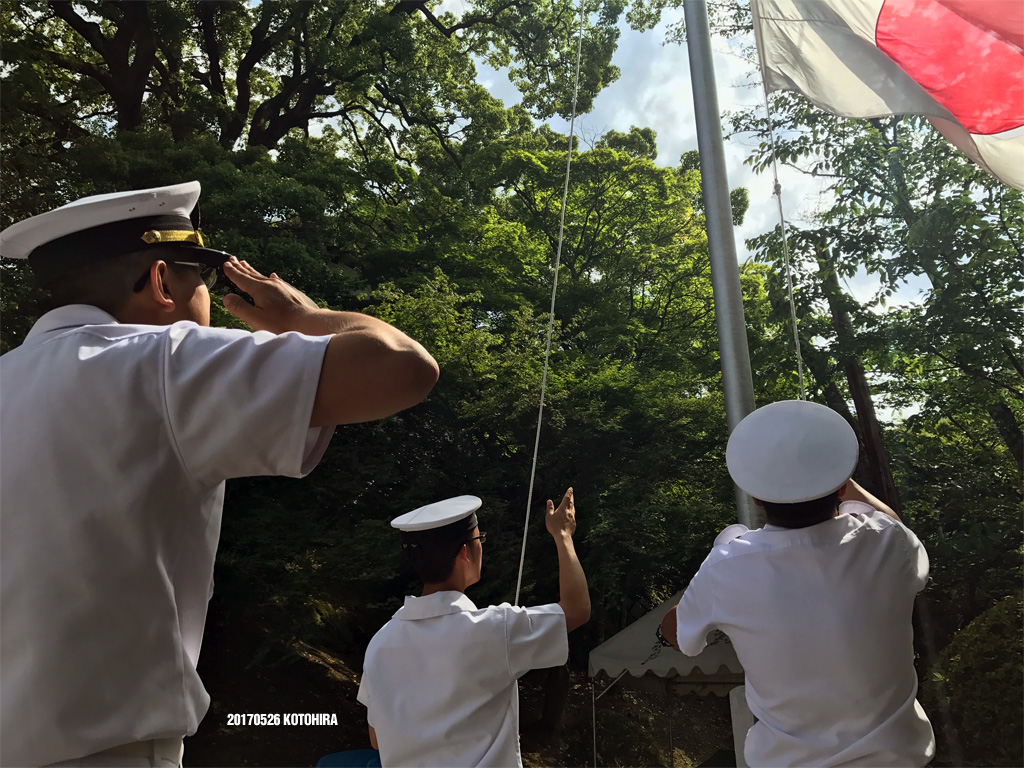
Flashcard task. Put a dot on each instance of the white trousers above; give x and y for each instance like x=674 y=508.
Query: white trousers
x=156 y=753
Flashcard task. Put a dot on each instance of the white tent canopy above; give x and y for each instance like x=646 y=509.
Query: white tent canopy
x=715 y=670
x=636 y=657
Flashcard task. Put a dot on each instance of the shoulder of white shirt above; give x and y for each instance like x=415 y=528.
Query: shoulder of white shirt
x=856 y=509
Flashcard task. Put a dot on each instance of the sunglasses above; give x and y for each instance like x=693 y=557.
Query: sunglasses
x=207 y=274
x=482 y=537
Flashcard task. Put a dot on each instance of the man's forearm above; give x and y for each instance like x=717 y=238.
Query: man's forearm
x=854 y=492
x=574 y=596
x=328 y=322
x=669 y=628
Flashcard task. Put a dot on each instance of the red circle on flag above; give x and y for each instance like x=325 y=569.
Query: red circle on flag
x=972 y=71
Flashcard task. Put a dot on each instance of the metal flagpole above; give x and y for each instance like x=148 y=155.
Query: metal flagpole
x=725 y=273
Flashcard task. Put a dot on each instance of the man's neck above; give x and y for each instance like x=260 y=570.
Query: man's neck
x=451 y=585
x=801 y=523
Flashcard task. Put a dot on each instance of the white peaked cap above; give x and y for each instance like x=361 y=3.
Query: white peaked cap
x=791 y=451
x=20 y=239
x=438 y=514
x=100 y=227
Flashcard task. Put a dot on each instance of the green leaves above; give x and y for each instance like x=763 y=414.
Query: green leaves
x=901 y=204
x=978 y=687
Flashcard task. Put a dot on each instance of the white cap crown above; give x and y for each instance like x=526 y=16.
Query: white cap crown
x=438 y=514
x=792 y=451
x=23 y=237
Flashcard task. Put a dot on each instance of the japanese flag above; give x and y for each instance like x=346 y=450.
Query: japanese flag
x=958 y=62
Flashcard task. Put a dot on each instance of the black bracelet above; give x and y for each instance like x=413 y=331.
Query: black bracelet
x=661 y=638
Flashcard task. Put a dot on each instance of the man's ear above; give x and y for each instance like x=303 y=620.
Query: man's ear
x=159 y=292
x=757 y=502
x=842 y=490
x=463 y=553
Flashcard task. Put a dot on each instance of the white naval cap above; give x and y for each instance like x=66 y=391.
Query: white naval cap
x=439 y=514
x=791 y=451
x=101 y=226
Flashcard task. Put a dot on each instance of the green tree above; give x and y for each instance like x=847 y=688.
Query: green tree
x=260 y=70
x=978 y=683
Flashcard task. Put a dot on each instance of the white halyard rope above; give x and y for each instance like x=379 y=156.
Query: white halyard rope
x=777 y=191
x=554 y=291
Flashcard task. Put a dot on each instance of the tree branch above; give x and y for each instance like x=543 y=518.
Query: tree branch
x=89 y=30
x=263 y=42
x=211 y=47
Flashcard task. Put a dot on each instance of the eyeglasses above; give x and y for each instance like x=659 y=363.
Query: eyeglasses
x=207 y=274
x=482 y=537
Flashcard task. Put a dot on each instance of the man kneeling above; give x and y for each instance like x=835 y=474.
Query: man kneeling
x=440 y=678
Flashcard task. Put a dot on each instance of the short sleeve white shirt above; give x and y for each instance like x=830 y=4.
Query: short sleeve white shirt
x=440 y=679
x=115 y=442
x=820 y=618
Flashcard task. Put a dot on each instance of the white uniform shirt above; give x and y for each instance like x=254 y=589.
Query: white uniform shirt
x=820 y=618
x=116 y=441
x=439 y=679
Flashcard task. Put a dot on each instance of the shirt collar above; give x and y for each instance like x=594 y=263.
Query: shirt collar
x=437 y=604
x=69 y=316
x=845 y=508
x=731 y=532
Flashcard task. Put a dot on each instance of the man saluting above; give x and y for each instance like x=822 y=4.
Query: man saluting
x=121 y=416
x=440 y=679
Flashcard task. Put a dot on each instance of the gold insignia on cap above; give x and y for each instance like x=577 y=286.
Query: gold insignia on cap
x=172 y=236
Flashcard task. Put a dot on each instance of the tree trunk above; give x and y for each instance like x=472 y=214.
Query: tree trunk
x=130 y=56
x=879 y=471
x=818 y=369
x=1009 y=429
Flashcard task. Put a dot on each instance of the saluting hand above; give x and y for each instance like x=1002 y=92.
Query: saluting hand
x=277 y=307
x=562 y=521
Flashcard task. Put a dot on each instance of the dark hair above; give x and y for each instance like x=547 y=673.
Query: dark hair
x=105 y=283
x=803 y=513
x=432 y=553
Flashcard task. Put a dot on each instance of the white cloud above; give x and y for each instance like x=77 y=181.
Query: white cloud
x=498 y=84
x=458 y=7
x=654 y=90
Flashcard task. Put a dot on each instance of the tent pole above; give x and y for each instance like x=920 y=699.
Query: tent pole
x=593 y=718
x=725 y=275
x=613 y=682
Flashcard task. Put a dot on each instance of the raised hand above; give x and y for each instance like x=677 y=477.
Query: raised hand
x=562 y=521
x=574 y=597
x=277 y=307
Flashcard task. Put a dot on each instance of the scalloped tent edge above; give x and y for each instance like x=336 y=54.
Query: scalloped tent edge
x=630 y=650
x=634 y=659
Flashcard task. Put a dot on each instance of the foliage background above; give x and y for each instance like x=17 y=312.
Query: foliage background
x=350 y=148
